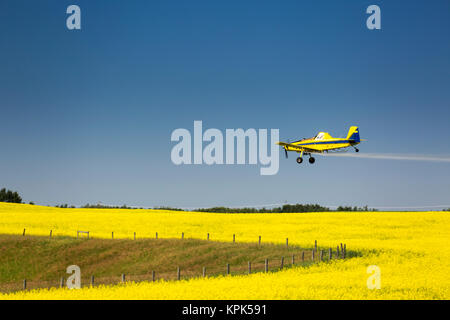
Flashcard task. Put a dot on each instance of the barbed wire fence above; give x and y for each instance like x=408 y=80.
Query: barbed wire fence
x=297 y=257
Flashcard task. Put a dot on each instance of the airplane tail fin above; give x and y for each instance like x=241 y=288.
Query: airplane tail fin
x=353 y=134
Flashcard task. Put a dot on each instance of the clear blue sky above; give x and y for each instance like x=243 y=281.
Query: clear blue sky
x=87 y=115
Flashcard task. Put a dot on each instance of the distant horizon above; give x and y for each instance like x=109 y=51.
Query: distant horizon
x=168 y=207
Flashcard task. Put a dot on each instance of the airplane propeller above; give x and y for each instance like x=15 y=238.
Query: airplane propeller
x=285 y=149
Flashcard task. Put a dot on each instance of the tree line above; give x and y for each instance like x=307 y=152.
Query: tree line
x=365 y=208
x=284 y=209
x=104 y=206
x=10 y=196
x=14 y=197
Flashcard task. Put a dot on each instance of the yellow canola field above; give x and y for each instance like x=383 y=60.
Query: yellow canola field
x=410 y=248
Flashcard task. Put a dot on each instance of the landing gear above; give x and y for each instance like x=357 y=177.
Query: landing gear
x=311 y=159
x=356 y=150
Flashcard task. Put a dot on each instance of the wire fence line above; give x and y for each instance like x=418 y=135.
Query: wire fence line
x=305 y=258
x=298 y=257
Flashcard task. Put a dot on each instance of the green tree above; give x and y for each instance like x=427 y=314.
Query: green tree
x=9 y=196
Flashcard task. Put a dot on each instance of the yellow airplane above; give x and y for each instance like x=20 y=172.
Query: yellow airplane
x=322 y=142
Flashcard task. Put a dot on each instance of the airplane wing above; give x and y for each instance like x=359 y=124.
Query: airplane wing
x=284 y=144
x=299 y=148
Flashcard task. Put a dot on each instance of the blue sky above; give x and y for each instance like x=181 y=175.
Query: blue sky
x=87 y=115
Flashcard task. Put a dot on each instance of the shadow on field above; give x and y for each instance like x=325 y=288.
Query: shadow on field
x=43 y=261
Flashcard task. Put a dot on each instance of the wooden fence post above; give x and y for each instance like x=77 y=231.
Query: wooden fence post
x=123 y=277
x=61 y=282
x=92 y=281
x=345 y=250
x=112 y=235
x=303 y=256
x=287 y=242
x=321 y=256
x=228 y=268
x=234 y=238
x=135 y=236
x=329 y=254
x=315 y=245
x=337 y=252
x=312 y=255
x=178 y=273
x=51 y=234
x=23 y=234
x=249 y=267
x=153 y=275
x=342 y=249
x=156 y=236
x=266 y=265
x=204 y=272
x=259 y=241
x=282 y=262
x=88 y=234
x=207 y=236
x=24 y=284
x=182 y=235
x=293 y=259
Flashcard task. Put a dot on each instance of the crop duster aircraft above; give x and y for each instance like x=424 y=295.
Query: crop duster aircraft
x=322 y=142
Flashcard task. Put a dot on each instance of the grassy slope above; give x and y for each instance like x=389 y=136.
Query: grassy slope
x=41 y=260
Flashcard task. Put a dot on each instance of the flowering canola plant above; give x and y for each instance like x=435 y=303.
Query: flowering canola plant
x=410 y=249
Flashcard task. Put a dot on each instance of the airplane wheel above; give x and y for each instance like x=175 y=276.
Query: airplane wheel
x=356 y=150
x=299 y=160
x=312 y=160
